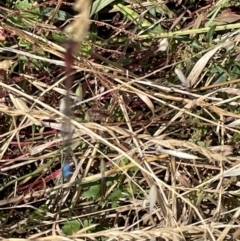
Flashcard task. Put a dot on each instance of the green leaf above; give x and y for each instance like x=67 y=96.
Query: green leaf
x=133 y=16
x=210 y=33
x=23 y=4
x=99 y=5
x=71 y=227
x=221 y=78
x=92 y=192
x=152 y=11
x=87 y=223
x=61 y=15
x=30 y=10
x=164 y=10
x=236 y=137
x=124 y=161
x=115 y=196
x=235 y=71
x=157 y=29
x=58 y=37
x=201 y=143
x=85 y=49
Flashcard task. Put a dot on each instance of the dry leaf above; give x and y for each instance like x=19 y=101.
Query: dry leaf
x=225 y=18
x=232 y=172
x=201 y=63
x=152 y=198
x=62 y=105
x=102 y=167
x=178 y=154
x=197 y=23
x=163 y=45
x=79 y=93
x=181 y=76
x=234 y=123
x=6 y=64
x=37 y=149
x=147 y=101
x=19 y=103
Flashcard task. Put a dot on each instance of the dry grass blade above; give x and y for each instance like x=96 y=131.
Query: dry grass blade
x=202 y=62
x=146 y=153
x=152 y=198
